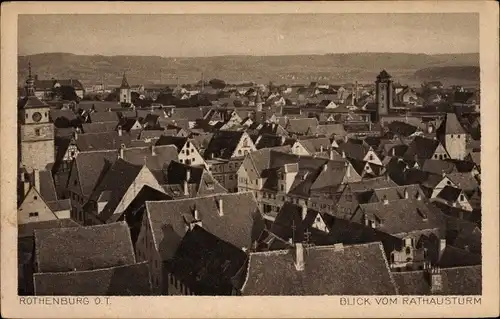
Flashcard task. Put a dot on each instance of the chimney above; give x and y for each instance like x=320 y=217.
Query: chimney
x=186 y=182
x=386 y=201
x=338 y=247
x=221 y=206
x=75 y=135
x=325 y=167
x=36 y=177
x=343 y=154
x=321 y=148
x=120 y=132
x=406 y=193
x=299 y=257
x=304 y=211
x=394 y=151
x=436 y=280
x=153 y=149
x=196 y=214
x=122 y=147
x=442 y=246
x=346 y=139
x=419 y=197
x=348 y=170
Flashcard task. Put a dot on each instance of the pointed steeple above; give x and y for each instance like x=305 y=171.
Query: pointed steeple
x=30 y=83
x=124 y=82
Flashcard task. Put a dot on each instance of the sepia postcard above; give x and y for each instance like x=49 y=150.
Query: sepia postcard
x=249 y=159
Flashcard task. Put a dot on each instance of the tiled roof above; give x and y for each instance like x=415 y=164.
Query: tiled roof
x=151 y=134
x=268 y=140
x=464 y=181
x=99 y=127
x=353 y=150
x=206 y=264
x=422 y=148
x=364 y=271
x=437 y=166
x=59 y=205
x=456 y=281
x=154 y=157
x=451 y=125
x=83 y=248
x=47 y=189
x=126 y=280
x=403 y=216
x=124 y=84
x=89 y=167
x=240 y=223
x=303 y=126
x=121 y=171
x=102 y=117
x=223 y=144
x=177 y=141
x=456 y=257
x=102 y=141
x=402 y=128
x=314 y=145
x=331 y=130
x=189 y=113
x=61 y=115
x=27 y=230
x=370 y=184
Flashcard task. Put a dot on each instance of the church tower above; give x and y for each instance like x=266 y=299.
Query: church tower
x=453 y=136
x=258 y=102
x=36 y=132
x=125 y=94
x=384 y=93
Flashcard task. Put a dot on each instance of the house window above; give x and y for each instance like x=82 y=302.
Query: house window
x=458 y=136
x=239 y=152
x=451 y=135
x=371 y=157
x=75 y=182
x=230 y=176
x=282 y=187
x=392 y=257
x=245 y=143
x=462 y=197
x=408 y=250
x=187 y=152
x=33 y=215
x=37 y=132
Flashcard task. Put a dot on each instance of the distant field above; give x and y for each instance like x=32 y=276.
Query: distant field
x=333 y=68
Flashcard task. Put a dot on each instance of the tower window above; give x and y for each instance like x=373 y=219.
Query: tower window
x=33 y=215
x=26 y=115
x=37 y=132
x=458 y=136
x=46 y=114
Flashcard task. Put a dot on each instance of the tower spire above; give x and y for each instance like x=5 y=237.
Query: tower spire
x=30 y=83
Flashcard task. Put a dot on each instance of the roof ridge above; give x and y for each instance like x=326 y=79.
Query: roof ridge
x=85 y=227
x=89 y=271
x=201 y=197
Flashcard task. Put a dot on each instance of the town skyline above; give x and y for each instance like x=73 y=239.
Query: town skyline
x=170 y=35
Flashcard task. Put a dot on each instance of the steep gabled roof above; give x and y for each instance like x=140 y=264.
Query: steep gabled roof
x=456 y=281
x=205 y=263
x=126 y=280
x=83 y=248
x=223 y=144
x=364 y=271
x=451 y=125
x=124 y=84
x=90 y=165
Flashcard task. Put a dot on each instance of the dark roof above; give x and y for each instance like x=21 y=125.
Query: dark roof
x=177 y=141
x=126 y=280
x=122 y=171
x=456 y=281
x=371 y=183
x=422 y=148
x=363 y=268
x=239 y=224
x=31 y=102
x=223 y=144
x=124 y=84
x=402 y=128
x=451 y=125
x=47 y=188
x=456 y=257
x=465 y=181
x=83 y=248
x=27 y=230
x=437 y=166
x=102 y=117
x=59 y=205
x=205 y=263
x=90 y=165
x=99 y=127
x=403 y=216
x=383 y=75
x=102 y=141
x=154 y=157
x=449 y=193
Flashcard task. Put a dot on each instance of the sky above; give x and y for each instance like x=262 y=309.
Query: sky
x=246 y=34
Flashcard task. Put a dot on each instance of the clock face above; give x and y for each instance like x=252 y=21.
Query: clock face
x=37 y=117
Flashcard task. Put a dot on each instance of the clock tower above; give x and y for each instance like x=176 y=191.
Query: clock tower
x=384 y=93
x=36 y=132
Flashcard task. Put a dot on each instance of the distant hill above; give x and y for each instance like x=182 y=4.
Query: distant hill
x=331 y=68
x=468 y=73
